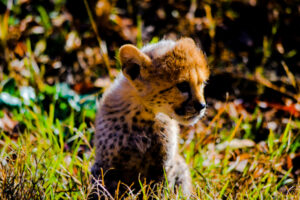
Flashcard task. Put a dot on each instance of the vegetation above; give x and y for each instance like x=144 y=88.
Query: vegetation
x=58 y=56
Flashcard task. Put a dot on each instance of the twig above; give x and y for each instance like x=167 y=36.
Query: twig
x=103 y=51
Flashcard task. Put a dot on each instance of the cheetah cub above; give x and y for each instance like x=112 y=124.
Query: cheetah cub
x=137 y=125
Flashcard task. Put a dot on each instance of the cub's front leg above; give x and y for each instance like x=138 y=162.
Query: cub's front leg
x=178 y=175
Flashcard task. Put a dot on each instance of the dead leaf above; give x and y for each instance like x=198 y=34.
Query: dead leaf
x=102 y=82
x=60 y=19
x=73 y=41
x=293 y=109
x=7 y=123
x=239 y=165
x=20 y=49
x=103 y=8
x=289 y=162
x=83 y=87
x=235 y=144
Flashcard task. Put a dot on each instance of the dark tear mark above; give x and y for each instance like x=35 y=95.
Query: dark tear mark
x=165 y=90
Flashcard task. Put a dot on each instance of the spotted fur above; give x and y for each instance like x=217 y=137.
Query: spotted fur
x=137 y=129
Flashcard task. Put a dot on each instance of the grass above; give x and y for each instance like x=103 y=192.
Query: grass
x=38 y=163
x=44 y=162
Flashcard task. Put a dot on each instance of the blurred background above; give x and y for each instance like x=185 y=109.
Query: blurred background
x=58 y=56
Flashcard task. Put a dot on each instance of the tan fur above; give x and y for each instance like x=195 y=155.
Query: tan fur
x=137 y=121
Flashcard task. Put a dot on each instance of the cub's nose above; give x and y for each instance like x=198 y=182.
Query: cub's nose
x=199 y=106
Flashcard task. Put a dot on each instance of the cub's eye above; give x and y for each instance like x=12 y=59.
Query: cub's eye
x=183 y=87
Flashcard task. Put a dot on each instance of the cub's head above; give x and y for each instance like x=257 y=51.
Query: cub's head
x=168 y=77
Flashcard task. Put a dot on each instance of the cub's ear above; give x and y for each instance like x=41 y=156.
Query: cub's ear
x=132 y=60
x=186 y=41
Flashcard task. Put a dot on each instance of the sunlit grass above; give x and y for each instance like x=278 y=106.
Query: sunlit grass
x=45 y=162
